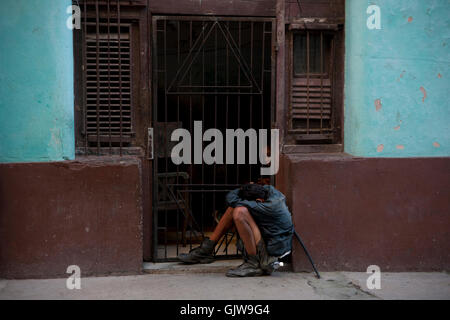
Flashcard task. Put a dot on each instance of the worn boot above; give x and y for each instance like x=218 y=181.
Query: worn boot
x=266 y=261
x=241 y=248
x=249 y=268
x=202 y=254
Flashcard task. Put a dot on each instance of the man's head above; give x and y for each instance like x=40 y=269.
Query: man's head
x=253 y=192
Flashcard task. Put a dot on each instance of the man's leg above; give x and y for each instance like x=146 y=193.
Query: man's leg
x=251 y=236
x=225 y=223
x=245 y=224
x=247 y=228
x=248 y=231
x=205 y=253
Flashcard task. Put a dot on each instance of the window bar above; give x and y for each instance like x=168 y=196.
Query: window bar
x=226 y=114
x=239 y=103
x=156 y=191
x=272 y=117
x=178 y=120
x=251 y=90
x=120 y=72
x=307 y=82
x=109 y=76
x=262 y=74
x=321 y=82
x=165 y=137
x=85 y=79
x=215 y=109
x=291 y=75
x=97 y=36
x=227 y=96
x=191 y=122
x=203 y=117
x=239 y=96
x=331 y=74
x=177 y=79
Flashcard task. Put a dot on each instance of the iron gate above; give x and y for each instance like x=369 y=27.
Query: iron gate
x=218 y=71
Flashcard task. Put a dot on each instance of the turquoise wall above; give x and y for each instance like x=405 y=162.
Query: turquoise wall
x=36 y=81
x=397 y=79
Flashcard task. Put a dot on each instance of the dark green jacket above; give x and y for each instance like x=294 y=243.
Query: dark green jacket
x=272 y=217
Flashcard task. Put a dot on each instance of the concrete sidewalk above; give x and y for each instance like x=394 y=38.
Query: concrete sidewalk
x=203 y=286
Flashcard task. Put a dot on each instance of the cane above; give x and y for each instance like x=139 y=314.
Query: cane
x=307 y=253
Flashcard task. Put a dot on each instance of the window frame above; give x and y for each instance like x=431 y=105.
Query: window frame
x=135 y=17
x=295 y=142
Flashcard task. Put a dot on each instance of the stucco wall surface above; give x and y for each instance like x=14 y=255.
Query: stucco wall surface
x=36 y=81
x=397 y=78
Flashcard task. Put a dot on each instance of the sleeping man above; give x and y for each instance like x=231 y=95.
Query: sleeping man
x=264 y=224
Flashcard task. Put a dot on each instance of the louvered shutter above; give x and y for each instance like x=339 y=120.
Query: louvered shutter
x=311 y=102
x=108 y=84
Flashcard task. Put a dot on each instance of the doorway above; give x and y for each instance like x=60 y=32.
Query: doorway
x=217 y=70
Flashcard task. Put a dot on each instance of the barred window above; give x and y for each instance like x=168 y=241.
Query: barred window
x=108 y=84
x=107 y=78
x=312 y=108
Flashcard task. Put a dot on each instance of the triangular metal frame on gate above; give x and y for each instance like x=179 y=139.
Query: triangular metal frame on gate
x=200 y=44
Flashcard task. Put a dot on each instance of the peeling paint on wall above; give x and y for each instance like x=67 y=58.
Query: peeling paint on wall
x=424 y=93
x=403 y=63
x=378 y=105
x=380 y=148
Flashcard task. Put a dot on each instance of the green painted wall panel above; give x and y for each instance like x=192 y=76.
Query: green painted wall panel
x=397 y=79
x=36 y=81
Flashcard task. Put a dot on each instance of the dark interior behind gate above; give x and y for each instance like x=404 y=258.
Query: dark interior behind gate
x=218 y=71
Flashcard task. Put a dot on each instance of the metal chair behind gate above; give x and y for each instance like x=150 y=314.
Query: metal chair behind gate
x=171 y=200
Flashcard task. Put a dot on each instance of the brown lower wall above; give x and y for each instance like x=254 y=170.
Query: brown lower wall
x=86 y=213
x=352 y=212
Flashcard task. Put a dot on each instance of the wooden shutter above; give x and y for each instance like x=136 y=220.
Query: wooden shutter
x=108 y=88
x=311 y=88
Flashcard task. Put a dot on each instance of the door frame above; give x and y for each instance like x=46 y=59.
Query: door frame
x=153 y=19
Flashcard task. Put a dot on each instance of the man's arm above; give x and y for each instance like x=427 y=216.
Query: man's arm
x=234 y=200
